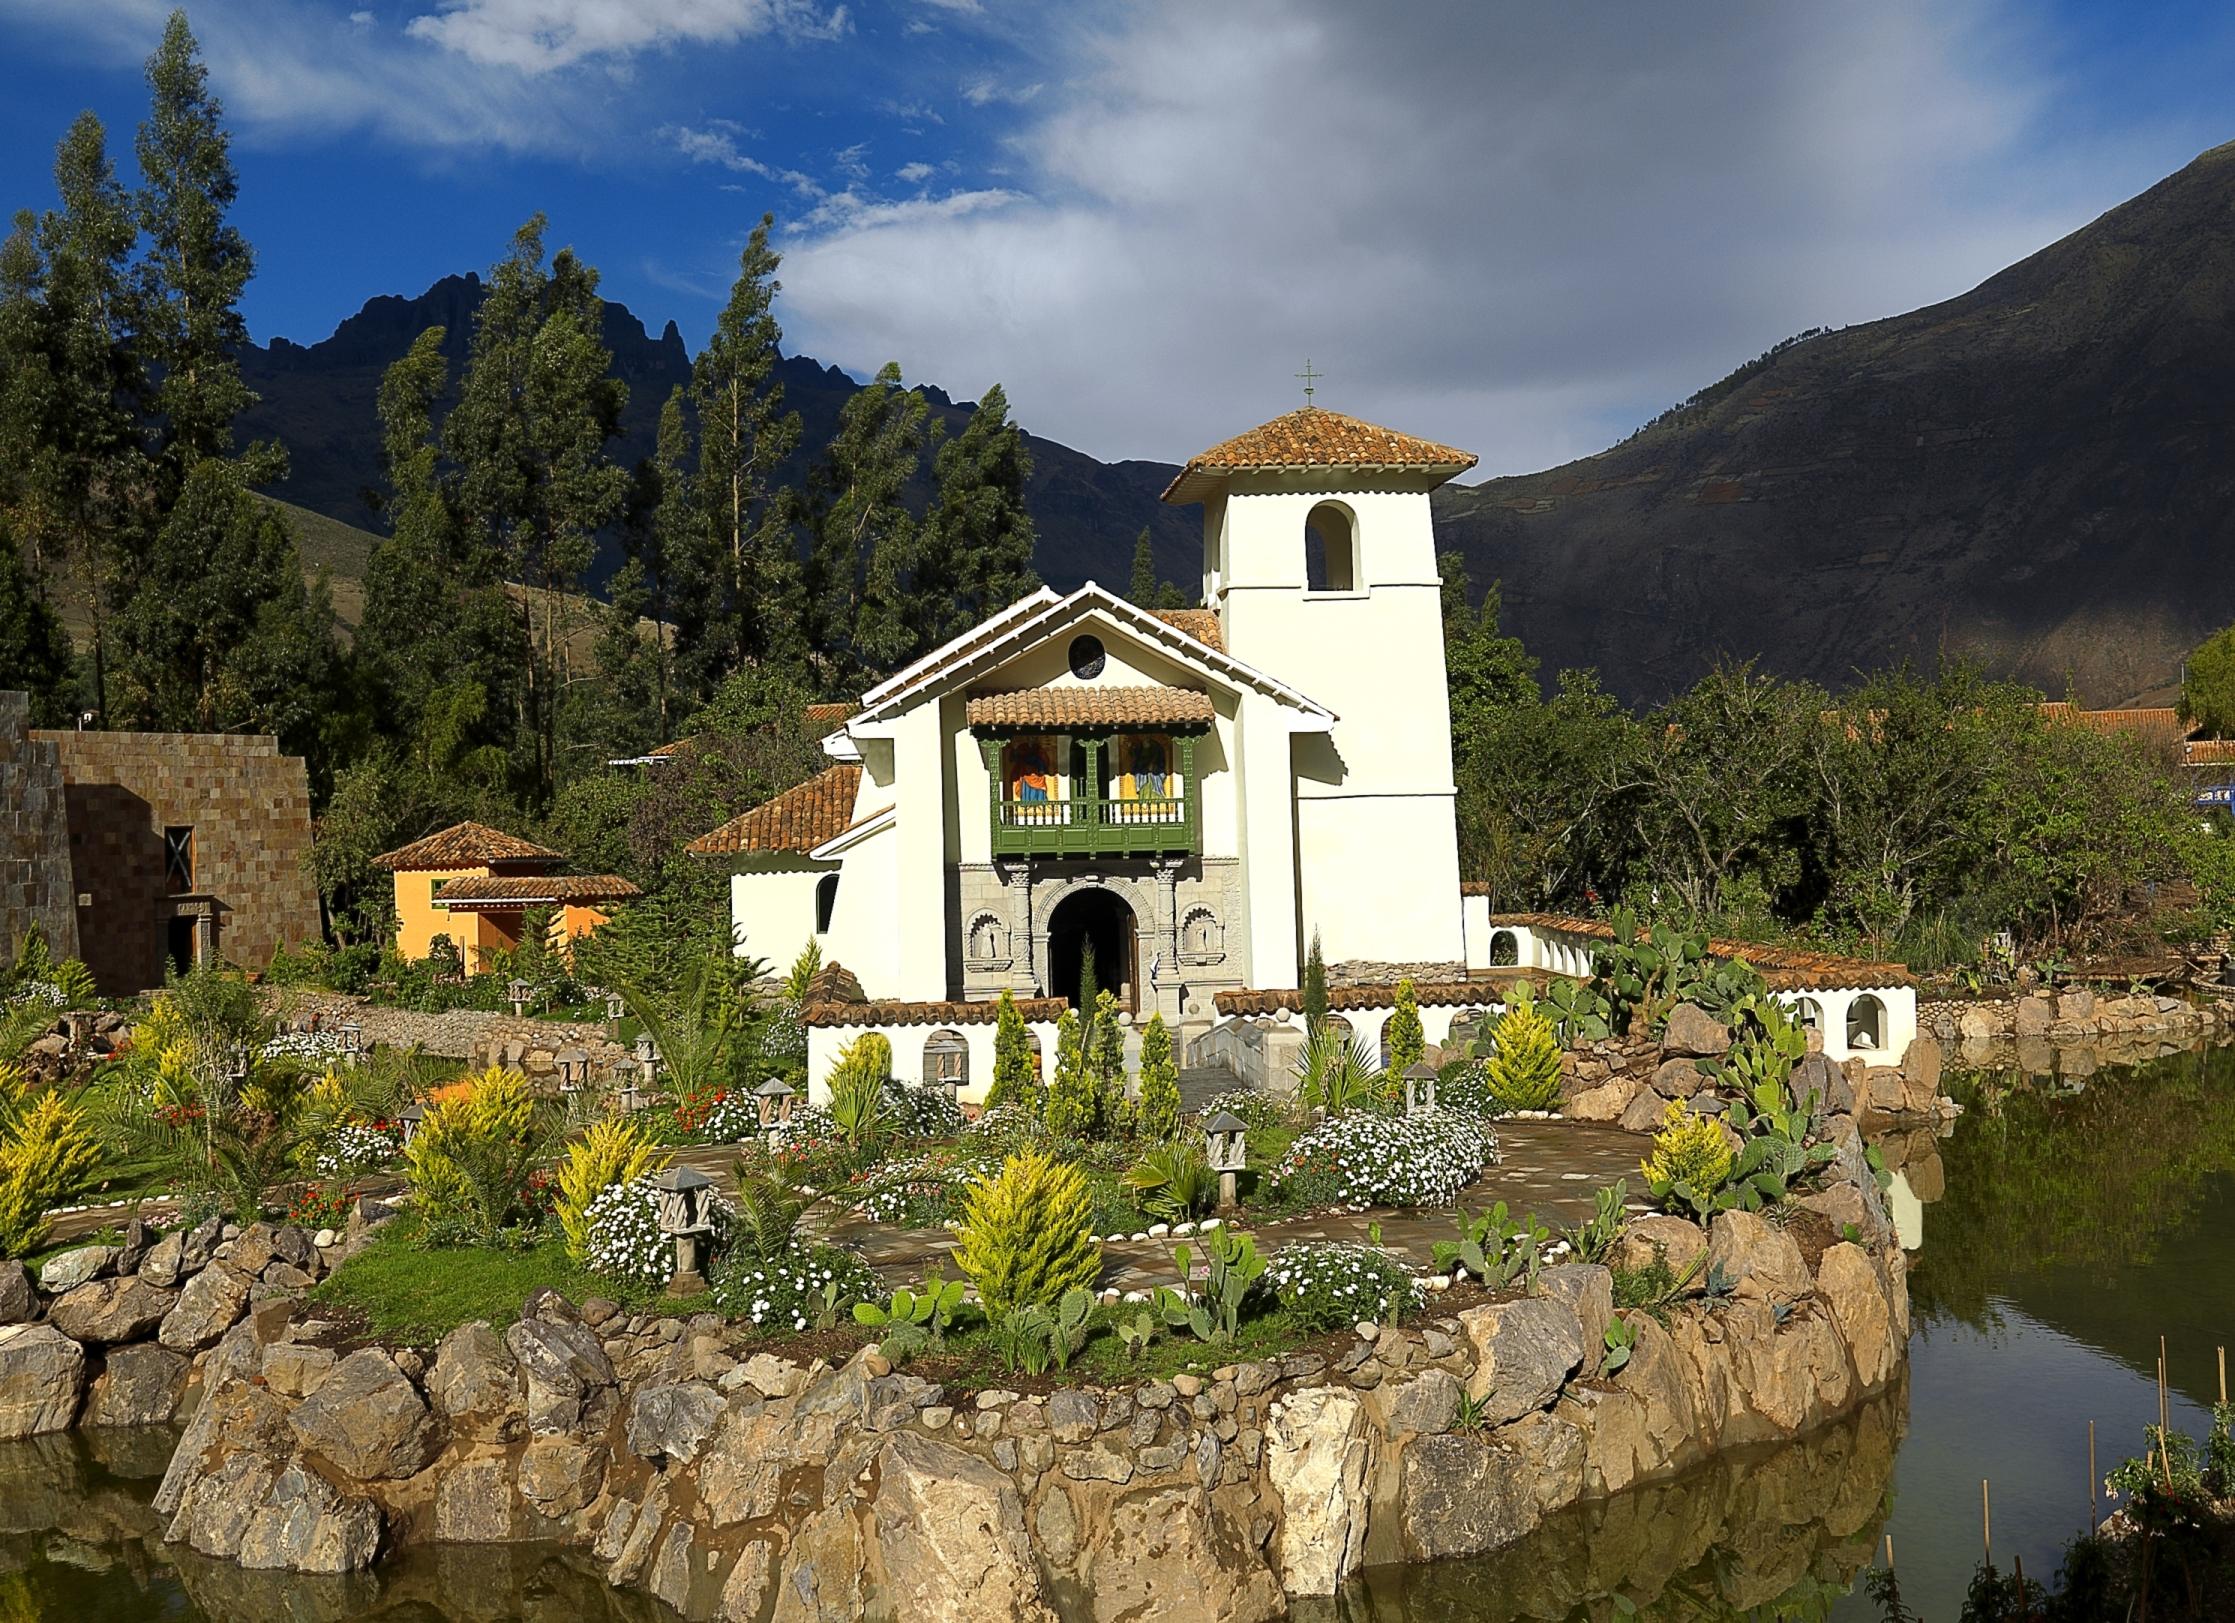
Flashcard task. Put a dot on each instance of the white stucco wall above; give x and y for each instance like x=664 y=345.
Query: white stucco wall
x=772 y=899
x=824 y=1044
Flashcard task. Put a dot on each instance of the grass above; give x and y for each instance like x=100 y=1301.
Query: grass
x=417 y=1294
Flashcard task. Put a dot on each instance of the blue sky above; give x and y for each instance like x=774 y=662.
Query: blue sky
x=1521 y=228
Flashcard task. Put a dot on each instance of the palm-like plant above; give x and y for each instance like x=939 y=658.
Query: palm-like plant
x=1173 y=1181
x=692 y=1028
x=1338 y=1073
x=474 y=1153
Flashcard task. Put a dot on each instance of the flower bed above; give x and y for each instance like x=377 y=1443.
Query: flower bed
x=1363 y=1159
x=1326 y=1284
x=800 y=1288
x=356 y=1148
x=625 y=1241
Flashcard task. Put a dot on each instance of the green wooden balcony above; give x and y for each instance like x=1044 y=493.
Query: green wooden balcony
x=1091 y=822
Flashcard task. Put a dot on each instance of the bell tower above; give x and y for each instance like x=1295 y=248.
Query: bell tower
x=1319 y=558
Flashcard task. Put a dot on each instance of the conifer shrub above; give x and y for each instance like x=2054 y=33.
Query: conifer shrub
x=1074 y=1090
x=1402 y=1040
x=1016 y=1068
x=1524 y=1072
x=46 y=1156
x=470 y=1163
x=1024 y=1237
x=1158 y=1113
x=610 y=1152
x=1689 y=1155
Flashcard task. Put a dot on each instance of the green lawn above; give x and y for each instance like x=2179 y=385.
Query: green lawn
x=418 y=1294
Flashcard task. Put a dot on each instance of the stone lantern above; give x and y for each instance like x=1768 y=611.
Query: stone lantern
x=1420 y=1088
x=410 y=1118
x=352 y=1036
x=776 y=1098
x=1223 y=1147
x=648 y=1055
x=615 y=1007
x=517 y=994
x=574 y=1069
x=627 y=1087
x=685 y=1199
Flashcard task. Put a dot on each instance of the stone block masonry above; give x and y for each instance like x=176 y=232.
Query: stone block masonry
x=35 y=886
x=245 y=889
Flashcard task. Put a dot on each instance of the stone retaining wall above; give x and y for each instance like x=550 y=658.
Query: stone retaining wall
x=478 y=1037
x=1630 y=1081
x=2068 y=1019
x=693 y=1460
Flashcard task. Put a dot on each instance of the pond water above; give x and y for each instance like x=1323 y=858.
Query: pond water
x=2063 y=1228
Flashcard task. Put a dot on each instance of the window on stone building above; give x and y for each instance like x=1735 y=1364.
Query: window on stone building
x=178 y=860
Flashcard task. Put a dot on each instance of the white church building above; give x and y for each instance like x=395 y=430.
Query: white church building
x=1190 y=795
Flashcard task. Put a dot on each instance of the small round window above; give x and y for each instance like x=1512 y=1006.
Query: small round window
x=1087 y=658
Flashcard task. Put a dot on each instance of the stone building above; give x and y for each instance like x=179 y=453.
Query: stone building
x=177 y=848
x=34 y=839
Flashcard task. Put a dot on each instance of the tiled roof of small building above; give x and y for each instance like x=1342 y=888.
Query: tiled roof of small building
x=528 y=890
x=464 y=845
x=823 y=717
x=2209 y=752
x=892 y=1012
x=1313 y=437
x=1092 y=707
x=799 y=819
x=1475 y=992
x=1786 y=969
x=1201 y=624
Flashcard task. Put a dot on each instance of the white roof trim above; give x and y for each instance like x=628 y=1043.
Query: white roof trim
x=891 y=697
x=1023 y=607
x=838 y=844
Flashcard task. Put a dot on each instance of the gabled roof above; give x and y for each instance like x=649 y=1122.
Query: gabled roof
x=1310 y=438
x=1042 y=616
x=798 y=820
x=1092 y=707
x=464 y=845
x=505 y=891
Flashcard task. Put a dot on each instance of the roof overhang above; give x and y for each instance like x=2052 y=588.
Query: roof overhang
x=1193 y=485
x=1044 y=615
x=855 y=834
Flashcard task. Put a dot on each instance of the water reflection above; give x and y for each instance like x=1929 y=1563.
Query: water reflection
x=78 y=1541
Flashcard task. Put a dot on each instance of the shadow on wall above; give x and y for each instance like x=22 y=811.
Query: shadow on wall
x=116 y=858
x=1743 y=1531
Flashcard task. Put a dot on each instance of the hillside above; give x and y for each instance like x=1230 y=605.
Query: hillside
x=320 y=401
x=2040 y=472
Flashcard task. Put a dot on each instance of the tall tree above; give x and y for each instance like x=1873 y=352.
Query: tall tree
x=34 y=653
x=196 y=265
x=861 y=615
x=747 y=605
x=1486 y=670
x=535 y=409
x=1144 y=589
x=978 y=556
x=441 y=644
x=635 y=697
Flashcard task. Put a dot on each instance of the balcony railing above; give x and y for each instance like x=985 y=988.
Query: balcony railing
x=1093 y=824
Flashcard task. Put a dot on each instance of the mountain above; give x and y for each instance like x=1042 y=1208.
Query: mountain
x=2040 y=472
x=320 y=400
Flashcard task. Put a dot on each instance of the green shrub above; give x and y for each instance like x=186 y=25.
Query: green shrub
x=1524 y=1073
x=1016 y=1067
x=1174 y=1181
x=470 y=1164
x=610 y=1152
x=1072 y=1093
x=1158 y=1117
x=1330 y=1285
x=1402 y=1041
x=46 y=1155
x=857 y=1087
x=1024 y=1238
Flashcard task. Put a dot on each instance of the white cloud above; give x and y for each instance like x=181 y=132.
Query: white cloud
x=915 y=173
x=853 y=161
x=1517 y=227
x=717 y=144
x=983 y=90
x=538 y=36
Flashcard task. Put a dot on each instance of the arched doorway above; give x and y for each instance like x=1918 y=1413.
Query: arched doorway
x=1100 y=918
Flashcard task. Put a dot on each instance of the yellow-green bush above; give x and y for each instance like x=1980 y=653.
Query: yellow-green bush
x=610 y=1152
x=1524 y=1073
x=46 y=1156
x=469 y=1163
x=1024 y=1235
x=857 y=1086
x=1688 y=1151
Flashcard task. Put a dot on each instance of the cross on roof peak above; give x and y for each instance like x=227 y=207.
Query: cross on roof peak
x=1310 y=377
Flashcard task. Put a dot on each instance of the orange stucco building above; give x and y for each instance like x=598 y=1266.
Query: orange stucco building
x=477 y=885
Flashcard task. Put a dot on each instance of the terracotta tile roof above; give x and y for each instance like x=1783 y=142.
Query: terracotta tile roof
x=823 y=717
x=464 y=845
x=1201 y=624
x=1786 y=969
x=2146 y=721
x=1314 y=438
x=528 y=890
x=799 y=819
x=1489 y=986
x=1093 y=707
x=891 y=1012
x=2209 y=752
